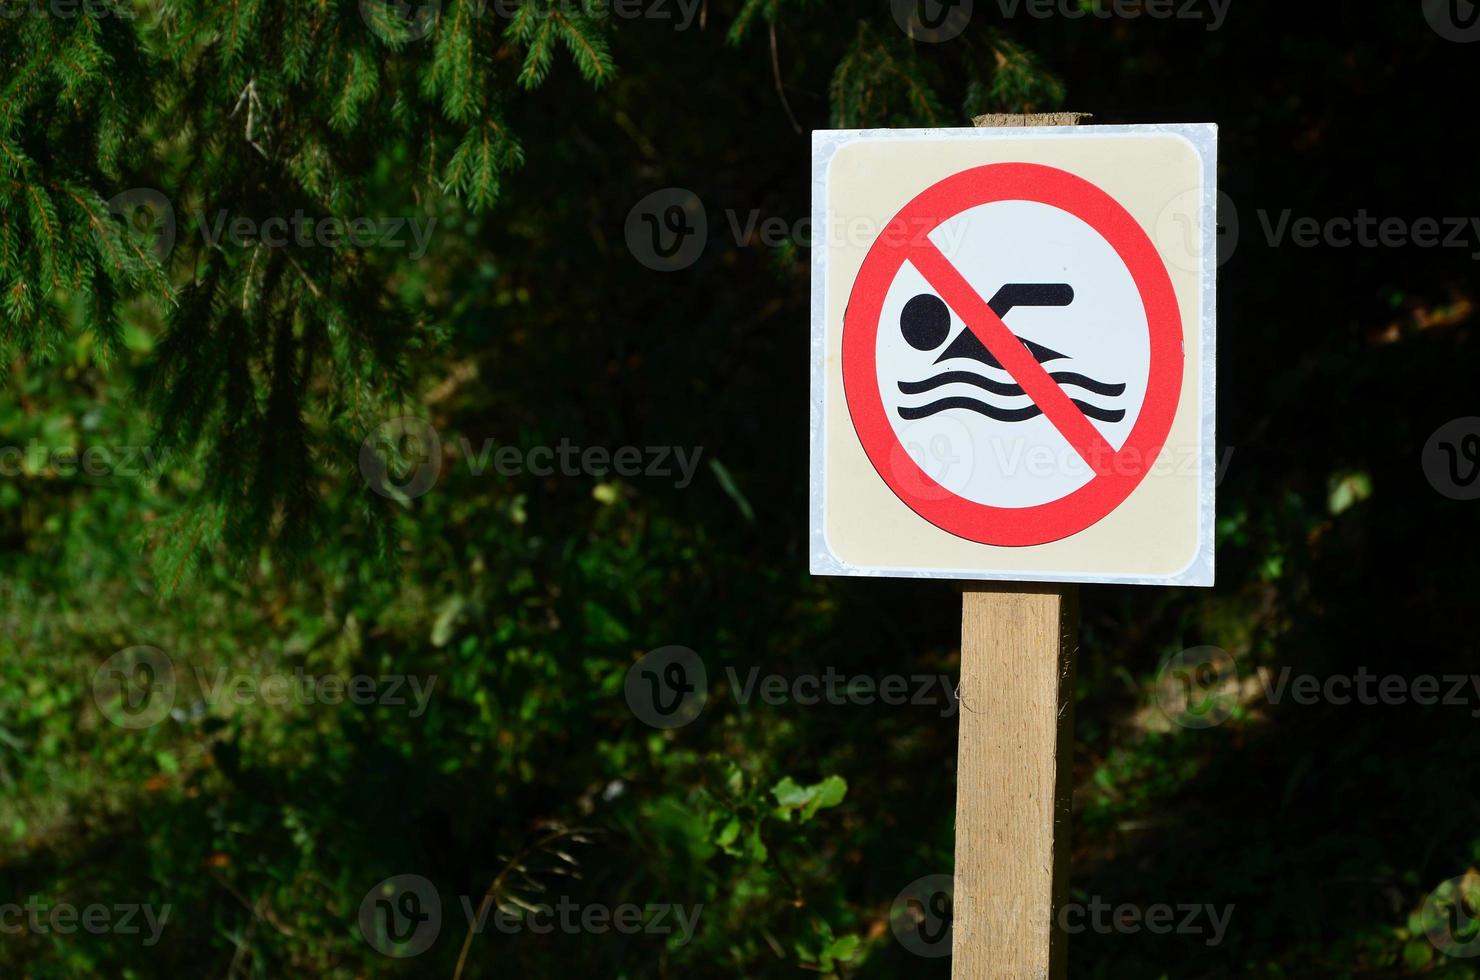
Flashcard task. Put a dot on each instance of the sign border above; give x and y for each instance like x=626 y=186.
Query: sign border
x=823 y=561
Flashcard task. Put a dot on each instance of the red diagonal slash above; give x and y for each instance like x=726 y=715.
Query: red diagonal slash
x=1011 y=354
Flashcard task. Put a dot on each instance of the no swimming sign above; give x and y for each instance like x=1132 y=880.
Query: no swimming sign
x=1012 y=353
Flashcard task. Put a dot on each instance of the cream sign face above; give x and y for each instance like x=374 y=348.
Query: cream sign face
x=1012 y=353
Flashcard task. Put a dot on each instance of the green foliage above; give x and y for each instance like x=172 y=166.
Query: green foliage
x=73 y=92
x=258 y=111
x=883 y=81
x=269 y=357
x=752 y=12
x=1017 y=80
x=248 y=545
x=540 y=24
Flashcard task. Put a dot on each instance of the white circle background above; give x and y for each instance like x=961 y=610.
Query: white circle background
x=1103 y=331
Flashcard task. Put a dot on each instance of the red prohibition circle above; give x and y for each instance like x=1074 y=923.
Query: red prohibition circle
x=1116 y=473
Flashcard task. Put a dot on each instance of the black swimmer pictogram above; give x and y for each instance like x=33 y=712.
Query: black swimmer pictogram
x=925 y=323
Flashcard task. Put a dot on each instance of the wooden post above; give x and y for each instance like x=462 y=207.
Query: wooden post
x=1014 y=763
x=1013 y=780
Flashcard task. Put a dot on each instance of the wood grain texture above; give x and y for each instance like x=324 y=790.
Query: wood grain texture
x=1014 y=761
x=1032 y=119
x=1012 y=780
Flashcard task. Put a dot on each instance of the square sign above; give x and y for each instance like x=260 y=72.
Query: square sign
x=1012 y=353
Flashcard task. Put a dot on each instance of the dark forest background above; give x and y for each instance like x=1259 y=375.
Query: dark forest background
x=255 y=547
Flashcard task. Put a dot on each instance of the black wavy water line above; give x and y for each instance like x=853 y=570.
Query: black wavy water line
x=959 y=377
x=1001 y=388
x=1088 y=383
x=1004 y=414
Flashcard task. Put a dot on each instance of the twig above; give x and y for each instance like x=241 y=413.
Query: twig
x=776 y=73
x=247 y=279
x=514 y=863
x=313 y=288
x=249 y=96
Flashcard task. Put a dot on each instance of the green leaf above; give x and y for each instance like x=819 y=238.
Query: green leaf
x=792 y=797
x=732 y=489
x=843 y=948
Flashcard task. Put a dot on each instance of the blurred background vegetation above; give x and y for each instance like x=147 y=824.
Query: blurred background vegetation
x=250 y=544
